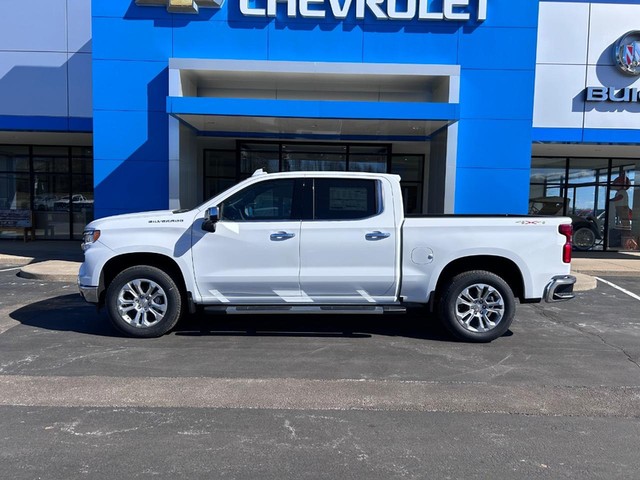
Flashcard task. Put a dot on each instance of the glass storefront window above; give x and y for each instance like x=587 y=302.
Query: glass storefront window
x=623 y=219
x=55 y=183
x=51 y=160
x=14 y=191
x=219 y=171
x=213 y=186
x=314 y=148
x=14 y=159
x=220 y=163
x=411 y=171
x=586 y=202
x=367 y=163
x=252 y=161
x=597 y=193
x=310 y=157
x=548 y=176
x=82 y=166
x=409 y=167
x=319 y=162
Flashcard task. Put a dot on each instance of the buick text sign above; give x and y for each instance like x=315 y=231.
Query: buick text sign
x=610 y=94
x=452 y=10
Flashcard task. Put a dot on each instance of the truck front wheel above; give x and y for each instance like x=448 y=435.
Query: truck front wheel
x=144 y=301
x=477 y=306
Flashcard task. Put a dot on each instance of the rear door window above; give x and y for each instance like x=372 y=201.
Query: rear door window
x=345 y=199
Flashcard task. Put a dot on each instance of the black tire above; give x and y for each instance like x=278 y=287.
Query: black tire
x=584 y=238
x=144 y=301
x=477 y=306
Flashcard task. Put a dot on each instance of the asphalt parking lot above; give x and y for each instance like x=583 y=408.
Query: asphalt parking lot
x=318 y=396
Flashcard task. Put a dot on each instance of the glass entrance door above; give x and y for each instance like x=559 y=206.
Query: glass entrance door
x=221 y=170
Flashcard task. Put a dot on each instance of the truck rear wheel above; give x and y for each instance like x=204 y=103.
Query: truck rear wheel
x=144 y=301
x=477 y=306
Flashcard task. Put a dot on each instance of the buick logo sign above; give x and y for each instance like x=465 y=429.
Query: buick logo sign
x=627 y=53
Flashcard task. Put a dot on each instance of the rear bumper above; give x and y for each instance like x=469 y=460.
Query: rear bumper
x=560 y=288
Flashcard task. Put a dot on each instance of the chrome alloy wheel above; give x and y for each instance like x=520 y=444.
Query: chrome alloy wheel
x=142 y=303
x=479 y=308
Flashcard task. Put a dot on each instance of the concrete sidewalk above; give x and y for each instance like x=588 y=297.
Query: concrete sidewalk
x=48 y=260
x=59 y=261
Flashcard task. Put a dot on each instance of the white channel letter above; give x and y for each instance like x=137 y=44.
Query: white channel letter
x=374 y=6
x=425 y=14
x=482 y=10
x=306 y=12
x=449 y=14
x=394 y=14
x=248 y=11
x=291 y=7
x=597 y=94
x=340 y=13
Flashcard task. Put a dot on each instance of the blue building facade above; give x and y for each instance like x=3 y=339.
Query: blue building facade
x=482 y=106
x=483 y=121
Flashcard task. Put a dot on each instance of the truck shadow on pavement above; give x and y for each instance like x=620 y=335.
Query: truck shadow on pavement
x=70 y=313
x=309 y=325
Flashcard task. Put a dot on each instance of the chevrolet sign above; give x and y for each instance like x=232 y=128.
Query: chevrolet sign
x=451 y=10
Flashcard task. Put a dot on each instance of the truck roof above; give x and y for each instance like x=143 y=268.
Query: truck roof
x=260 y=172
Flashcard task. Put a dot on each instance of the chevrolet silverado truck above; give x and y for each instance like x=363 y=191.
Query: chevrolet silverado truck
x=322 y=242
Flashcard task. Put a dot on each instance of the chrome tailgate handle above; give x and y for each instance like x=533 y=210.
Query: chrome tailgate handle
x=279 y=236
x=377 y=235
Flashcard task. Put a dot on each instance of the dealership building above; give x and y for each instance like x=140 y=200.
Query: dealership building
x=481 y=106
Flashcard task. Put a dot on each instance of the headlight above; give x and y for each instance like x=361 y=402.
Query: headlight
x=89 y=236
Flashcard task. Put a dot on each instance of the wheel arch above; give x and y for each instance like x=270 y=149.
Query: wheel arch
x=121 y=262
x=505 y=268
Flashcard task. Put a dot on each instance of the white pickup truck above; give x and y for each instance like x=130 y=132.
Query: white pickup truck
x=322 y=242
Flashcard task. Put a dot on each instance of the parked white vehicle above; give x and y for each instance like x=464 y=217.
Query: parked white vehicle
x=322 y=242
x=77 y=202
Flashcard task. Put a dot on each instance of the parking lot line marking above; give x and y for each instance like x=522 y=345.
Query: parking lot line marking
x=623 y=290
x=10 y=269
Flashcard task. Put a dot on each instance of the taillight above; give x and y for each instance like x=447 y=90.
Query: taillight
x=567 y=231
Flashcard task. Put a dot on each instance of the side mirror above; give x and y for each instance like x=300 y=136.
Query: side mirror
x=210 y=219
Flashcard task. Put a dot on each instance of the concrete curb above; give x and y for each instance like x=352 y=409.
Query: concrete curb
x=52 y=271
x=14 y=260
x=584 y=282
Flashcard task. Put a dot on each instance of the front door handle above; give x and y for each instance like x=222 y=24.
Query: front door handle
x=279 y=236
x=377 y=235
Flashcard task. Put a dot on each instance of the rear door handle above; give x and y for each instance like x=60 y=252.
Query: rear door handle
x=279 y=236
x=377 y=235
